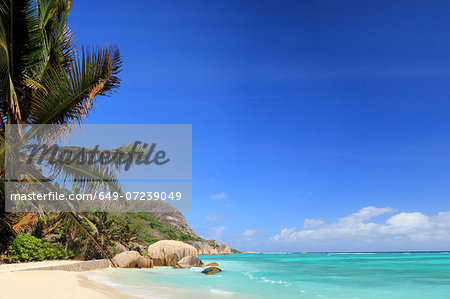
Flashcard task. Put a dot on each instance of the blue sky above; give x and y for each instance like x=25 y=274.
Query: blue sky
x=336 y=112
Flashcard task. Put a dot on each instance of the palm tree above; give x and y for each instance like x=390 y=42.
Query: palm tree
x=46 y=78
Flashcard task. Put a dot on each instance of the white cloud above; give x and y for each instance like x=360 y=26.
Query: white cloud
x=218 y=196
x=250 y=237
x=311 y=223
x=251 y=234
x=216 y=233
x=400 y=230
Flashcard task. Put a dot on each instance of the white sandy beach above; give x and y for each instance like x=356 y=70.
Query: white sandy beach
x=17 y=282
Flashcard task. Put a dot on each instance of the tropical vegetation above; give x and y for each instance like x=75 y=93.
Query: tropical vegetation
x=27 y=248
x=46 y=77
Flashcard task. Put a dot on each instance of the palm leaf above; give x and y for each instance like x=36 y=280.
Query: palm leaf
x=25 y=223
x=69 y=93
x=75 y=221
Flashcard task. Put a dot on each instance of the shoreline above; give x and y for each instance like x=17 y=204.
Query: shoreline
x=50 y=279
x=52 y=283
x=64 y=265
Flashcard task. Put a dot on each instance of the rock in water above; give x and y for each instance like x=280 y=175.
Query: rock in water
x=213 y=265
x=127 y=259
x=188 y=262
x=169 y=252
x=171 y=259
x=211 y=270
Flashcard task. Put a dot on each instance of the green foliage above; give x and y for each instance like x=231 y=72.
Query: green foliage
x=27 y=248
x=54 y=253
x=129 y=229
x=113 y=251
x=144 y=227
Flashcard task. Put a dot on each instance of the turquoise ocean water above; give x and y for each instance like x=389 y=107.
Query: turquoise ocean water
x=322 y=275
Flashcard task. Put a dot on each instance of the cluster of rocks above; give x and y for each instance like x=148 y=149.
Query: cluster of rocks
x=209 y=247
x=170 y=253
x=164 y=253
x=167 y=213
x=204 y=247
x=132 y=259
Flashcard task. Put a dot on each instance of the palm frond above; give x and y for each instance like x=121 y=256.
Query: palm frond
x=57 y=41
x=87 y=178
x=19 y=51
x=69 y=93
x=74 y=220
x=10 y=103
x=25 y=223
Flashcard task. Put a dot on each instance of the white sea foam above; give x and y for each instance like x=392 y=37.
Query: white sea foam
x=196 y=269
x=275 y=281
x=220 y=292
x=333 y=253
x=281 y=252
